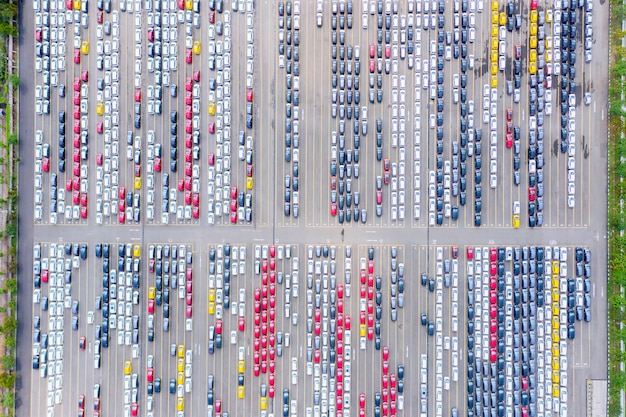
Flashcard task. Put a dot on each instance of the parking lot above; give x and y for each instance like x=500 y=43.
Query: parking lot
x=372 y=191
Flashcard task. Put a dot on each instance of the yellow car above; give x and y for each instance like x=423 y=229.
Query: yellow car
x=516 y=221
x=137 y=183
x=494 y=5
x=197 y=47
x=533 y=55
x=494 y=44
x=136 y=251
x=249 y=183
x=180 y=404
x=502 y=18
x=548 y=55
x=263 y=403
x=556 y=337
x=180 y=365
x=555 y=351
x=494 y=17
x=556 y=364
x=494 y=81
x=494 y=56
x=555 y=285
x=534 y=14
x=556 y=380
x=555 y=268
x=128 y=368
x=180 y=378
x=533 y=42
x=532 y=68
x=77 y=4
x=240 y=392
x=212 y=108
x=533 y=29
x=100 y=108
x=211 y=307
x=211 y=294
x=151 y=293
x=84 y=47
x=555 y=324
x=180 y=351
x=241 y=367
x=494 y=31
x=188 y=4
x=494 y=68
x=548 y=16
x=362 y=330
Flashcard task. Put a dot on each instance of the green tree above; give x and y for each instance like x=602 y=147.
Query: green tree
x=9 y=341
x=619 y=12
x=10 y=325
x=11 y=285
x=12 y=138
x=14 y=79
x=8 y=400
x=8 y=362
x=8 y=29
x=619 y=69
x=7 y=380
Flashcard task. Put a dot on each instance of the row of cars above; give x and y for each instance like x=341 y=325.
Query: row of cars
x=448 y=181
x=178 y=176
x=345 y=142
x=521 y=314
x=52 y=295
x=447 y=277
x=222 y=163
x=289 y=58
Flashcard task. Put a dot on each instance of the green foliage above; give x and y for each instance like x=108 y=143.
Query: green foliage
x=7 y=380
x=12 y=138
x=8 y=362
x=11 y=285
x=8 y=400
x=9 y=341
x=14 y=79
x=10 y=325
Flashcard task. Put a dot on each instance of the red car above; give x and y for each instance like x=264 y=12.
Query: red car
x=387 y=51
x=181 y=4
x=188 y=126
x=518 y=51
x=188 y=56
x=509 y=140
x=189 y=311
x=77 y=56
x=77 y=86
x=84 y=75
x=151 y=35
x=196 y=75
x=242 y=324
x=372 y=50
x=134 y=408
x=138 y=95
x=379 y=196
x=150 y=375
x=333 y=209
x=189 y=299
x=470 y=252
x=157 y=164
x=45 y=163
x=249 y=95
x=211 y=16
x=100 y=17
x=150 y=304
x=211 y=127
x=195 y=212
x=68 y=185
x=532 y=194
x=372 y=65
x=188 y=83
x=188 y=98
x=83 y=199
x=77 y=96
x=38 y=35
x=76 y=170
x=99 y=126
x=362 y=400
x=76 y=126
